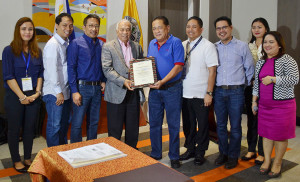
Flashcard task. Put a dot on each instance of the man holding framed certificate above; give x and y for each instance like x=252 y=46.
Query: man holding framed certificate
x=167 y=92
x=123 y=102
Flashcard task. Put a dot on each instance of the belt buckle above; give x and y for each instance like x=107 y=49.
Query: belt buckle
x=226 y=87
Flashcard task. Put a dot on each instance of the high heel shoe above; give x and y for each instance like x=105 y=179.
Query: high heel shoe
x=274 y=175
x=264 y=171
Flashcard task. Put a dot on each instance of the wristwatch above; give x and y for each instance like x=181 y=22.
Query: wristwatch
x=209 y=93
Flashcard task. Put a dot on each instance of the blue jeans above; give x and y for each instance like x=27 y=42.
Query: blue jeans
x=90 y=105
x=229 y=102
x=170 y=100
x=58 y=121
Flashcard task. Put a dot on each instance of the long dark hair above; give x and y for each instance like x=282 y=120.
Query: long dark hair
x=17 y=43
x=264 y=22
x=279 y=39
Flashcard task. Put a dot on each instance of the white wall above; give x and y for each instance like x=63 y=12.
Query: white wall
x=10 y=12
x=115 y=12
x=245 y=11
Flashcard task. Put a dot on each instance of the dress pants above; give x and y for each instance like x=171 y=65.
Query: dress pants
x=20 y=116
x=252 y=133
x=128 y=113
x=193 y=112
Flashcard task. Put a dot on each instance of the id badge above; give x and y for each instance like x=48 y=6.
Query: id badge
x=27 y=84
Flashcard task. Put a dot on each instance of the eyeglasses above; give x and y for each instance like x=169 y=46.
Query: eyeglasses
x=222 y=28
x=93 y=26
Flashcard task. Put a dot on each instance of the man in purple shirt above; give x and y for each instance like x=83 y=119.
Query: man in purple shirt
x=166 y=93
x=86 y=79
x=235 y=70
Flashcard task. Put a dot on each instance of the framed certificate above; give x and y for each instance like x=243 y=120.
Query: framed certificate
x=143 y=72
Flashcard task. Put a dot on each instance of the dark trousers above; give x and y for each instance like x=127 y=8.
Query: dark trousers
x=128 y=113
x=252 y=134
x=20 y=116
x=193 y=112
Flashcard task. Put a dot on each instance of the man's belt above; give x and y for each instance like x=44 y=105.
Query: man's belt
x=230 y=87
x=166 y=86
x=83 y=82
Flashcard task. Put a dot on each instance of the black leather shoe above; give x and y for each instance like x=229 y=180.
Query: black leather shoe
x=156 y=158
x=175 y=164
x=221 y=159
x=231 y=163
x=199 y=160
x=22 y=170
x=244 y=158
x=187 y=155
x=258 y=162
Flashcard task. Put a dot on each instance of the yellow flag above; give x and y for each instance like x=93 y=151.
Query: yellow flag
x=130 y=13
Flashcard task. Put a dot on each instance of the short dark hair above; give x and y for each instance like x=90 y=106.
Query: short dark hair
x=200 y=22
x=58 y=19
x=91 y=16
x=280 y=41
x=163 y=18
x=264 y=22
x=223 y=18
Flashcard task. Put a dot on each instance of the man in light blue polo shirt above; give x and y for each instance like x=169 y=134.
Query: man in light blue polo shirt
x=166 y=93
x=235 y=70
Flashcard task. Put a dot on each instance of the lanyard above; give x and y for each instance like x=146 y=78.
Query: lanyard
x=26 y=62
x=188 y=53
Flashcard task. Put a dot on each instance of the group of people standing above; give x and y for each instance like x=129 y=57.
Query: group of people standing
x=190 y=74
x=259 y=74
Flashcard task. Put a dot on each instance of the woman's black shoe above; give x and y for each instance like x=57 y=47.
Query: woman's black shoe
x=257 y=162
x=22 y=170
x=244 y=158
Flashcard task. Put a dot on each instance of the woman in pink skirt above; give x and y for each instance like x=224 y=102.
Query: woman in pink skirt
x=275 y=77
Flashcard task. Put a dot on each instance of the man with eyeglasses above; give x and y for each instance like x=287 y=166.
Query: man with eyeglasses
x=123 y=102
x=86 y=79
x=234 y=72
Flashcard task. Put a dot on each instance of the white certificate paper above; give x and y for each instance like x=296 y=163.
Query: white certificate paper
x=91 y=154
x=143 y=72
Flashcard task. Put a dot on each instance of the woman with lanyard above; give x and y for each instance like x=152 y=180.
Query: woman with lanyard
x=22 y=74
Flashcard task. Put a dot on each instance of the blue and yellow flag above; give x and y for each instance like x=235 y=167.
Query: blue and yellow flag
x=131 y=14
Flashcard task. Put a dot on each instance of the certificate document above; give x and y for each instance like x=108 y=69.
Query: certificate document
x=143 y=72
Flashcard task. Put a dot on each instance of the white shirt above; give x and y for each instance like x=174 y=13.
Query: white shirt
x=256 y=52
x=55 y=65
x=201 y=58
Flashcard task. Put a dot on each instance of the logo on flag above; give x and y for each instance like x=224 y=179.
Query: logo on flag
x=130 y=13
x=135 y=32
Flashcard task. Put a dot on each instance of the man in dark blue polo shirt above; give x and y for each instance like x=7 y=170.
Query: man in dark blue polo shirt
x=86 y=79
x=166 y=93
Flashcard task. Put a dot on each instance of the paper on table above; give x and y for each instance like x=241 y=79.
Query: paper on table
x=91 y=154
x=143 y=72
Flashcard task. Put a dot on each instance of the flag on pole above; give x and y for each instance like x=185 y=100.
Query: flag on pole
x=62 y=6
x=131 y=14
